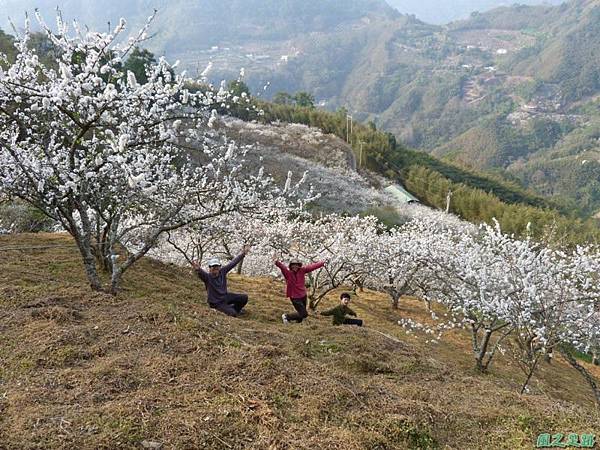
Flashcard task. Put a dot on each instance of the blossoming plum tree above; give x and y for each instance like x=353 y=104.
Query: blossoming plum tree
x=106 y=156
x=345 y=243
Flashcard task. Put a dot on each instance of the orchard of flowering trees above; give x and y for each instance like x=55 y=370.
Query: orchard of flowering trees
x=109 y=158
x=510 y=295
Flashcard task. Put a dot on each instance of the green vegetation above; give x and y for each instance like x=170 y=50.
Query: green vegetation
x=476 y=197
x=137 y=62
x=302 y=99
x=238 y=88
x=442 y=12
x=6 y=45
x=18 y=217
x=450 y=93
x=437 y=95
x=445 y=90
x=477 y=205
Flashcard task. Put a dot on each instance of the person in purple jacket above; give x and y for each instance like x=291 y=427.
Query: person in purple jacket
x=215 y=281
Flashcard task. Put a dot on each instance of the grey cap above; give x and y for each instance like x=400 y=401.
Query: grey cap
x=213 y=262
x=295 y=261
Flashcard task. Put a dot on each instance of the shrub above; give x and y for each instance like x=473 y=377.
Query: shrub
x=18 y=217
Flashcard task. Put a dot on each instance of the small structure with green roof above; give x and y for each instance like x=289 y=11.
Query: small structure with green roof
x=401 y=194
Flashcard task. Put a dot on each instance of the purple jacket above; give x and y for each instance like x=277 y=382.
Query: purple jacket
x=216 y=287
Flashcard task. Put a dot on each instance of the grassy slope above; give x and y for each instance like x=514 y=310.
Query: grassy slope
x=83 y=370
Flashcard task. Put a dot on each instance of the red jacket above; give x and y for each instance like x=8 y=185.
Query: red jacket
x=295 y=281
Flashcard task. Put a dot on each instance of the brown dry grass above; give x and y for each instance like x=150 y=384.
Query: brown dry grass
x=91 y=371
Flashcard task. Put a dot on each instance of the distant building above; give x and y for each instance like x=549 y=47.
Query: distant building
x=401 y=194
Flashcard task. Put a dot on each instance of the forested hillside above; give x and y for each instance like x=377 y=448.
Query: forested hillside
x=475 y=197
x=183 y=26
x=441 y=12
x=546 y=130
x=512 y=91
x=429 y=86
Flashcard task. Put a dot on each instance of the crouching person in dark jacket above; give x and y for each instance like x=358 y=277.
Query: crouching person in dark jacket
x=215 y=281
x=340 y=312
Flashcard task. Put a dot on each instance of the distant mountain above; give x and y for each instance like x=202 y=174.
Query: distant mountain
x=233 y=34
x=444 y=11
x=201 y=23
x=543 y=124
x=515 y=90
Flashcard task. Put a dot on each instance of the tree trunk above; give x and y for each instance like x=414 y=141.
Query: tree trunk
x=89 y=261
x=530 y=374
x=596 y=357
x=475 y=338
x=114 y=280
x=395 y=300
x=104 y=252
x=84 y=239
x=428 y=304
x=480 y=355
x=394 y=296
x=92 y=275
x=584 y=373
x=361 y=285
x=315 y=299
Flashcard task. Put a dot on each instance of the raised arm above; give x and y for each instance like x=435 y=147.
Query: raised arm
x=310 y=267
x=199 y=271
x=234 y=262
x=282 y=267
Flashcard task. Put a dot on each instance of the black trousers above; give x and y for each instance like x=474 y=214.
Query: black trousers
x=299 y=305
x=232 y=305
x=357 y=322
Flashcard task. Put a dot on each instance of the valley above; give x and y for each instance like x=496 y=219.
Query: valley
x=512 y=91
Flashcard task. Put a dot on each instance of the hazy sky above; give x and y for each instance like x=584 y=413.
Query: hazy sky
x=444 y=11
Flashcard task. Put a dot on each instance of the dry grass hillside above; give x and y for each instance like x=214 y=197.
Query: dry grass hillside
x=155 y=366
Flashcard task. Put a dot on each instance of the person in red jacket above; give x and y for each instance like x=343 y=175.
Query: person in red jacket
x=295 y=282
